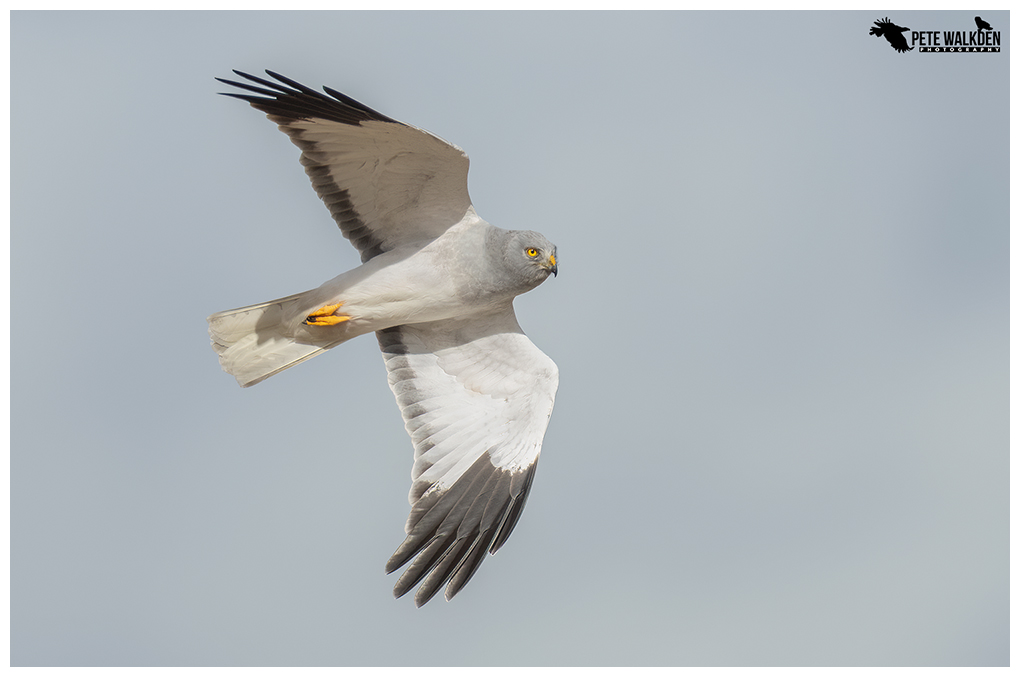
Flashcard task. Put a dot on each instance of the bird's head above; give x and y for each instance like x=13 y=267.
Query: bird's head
x=539 y=252
x=527 y=257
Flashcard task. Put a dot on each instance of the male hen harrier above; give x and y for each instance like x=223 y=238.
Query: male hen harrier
x=436 y=285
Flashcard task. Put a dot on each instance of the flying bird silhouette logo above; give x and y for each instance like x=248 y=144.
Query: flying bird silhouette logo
x=892 y=33
x=982 y=24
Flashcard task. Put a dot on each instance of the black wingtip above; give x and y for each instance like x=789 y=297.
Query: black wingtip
x=450 y=532
x=289 y=99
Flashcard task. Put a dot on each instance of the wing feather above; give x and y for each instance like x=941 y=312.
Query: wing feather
x=385 y=183
x=476 y=396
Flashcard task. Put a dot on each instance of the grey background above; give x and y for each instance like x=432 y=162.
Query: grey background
x=781 y=321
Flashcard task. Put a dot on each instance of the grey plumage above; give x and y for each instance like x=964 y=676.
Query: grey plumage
x=436 y=285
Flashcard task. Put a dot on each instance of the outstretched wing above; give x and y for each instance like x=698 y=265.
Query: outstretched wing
x=385 y=183
x=476 y=396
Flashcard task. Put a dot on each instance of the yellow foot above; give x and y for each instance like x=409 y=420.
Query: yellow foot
x=324 y=317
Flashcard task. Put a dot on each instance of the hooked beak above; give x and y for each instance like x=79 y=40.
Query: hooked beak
x=551 y=265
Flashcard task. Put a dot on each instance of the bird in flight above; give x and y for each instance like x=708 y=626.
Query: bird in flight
x=892 y=33
x=436 y=285
x=982 y=24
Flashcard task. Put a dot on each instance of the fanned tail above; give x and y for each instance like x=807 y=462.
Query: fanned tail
x=254 y=342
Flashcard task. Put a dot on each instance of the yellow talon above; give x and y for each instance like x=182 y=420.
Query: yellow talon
x=327 y=321
x=326 y=310
x=324 y=317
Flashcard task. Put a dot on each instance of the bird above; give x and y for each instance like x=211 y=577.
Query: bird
x=892 y=33
x=982 y=24
x=436 y=285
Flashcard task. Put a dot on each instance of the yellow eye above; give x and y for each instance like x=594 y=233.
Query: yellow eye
x=532 y=252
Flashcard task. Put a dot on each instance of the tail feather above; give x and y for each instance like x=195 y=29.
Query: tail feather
x=255 y=342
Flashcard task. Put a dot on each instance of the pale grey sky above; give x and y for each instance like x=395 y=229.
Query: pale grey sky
x=781 y=322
